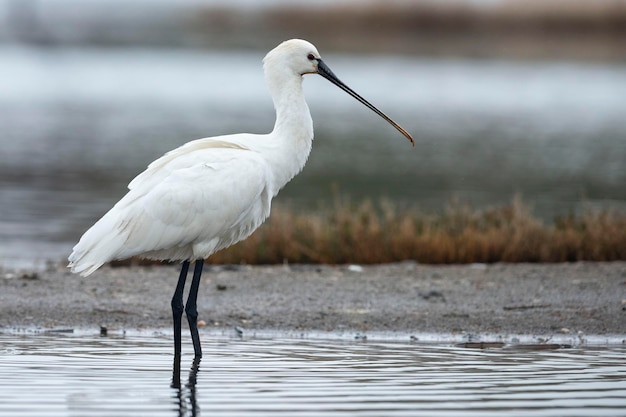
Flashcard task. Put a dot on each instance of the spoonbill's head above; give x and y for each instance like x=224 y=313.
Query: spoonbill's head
x=296 y=56
x=299 y=57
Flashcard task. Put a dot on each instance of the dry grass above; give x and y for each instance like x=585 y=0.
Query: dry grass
x=531 y=29
x=366 y=233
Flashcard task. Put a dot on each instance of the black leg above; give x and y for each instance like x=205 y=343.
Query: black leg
x=192 y=310
x=176 y=373
x=178 y=307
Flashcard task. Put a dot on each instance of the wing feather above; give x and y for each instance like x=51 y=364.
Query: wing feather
x=188 y=204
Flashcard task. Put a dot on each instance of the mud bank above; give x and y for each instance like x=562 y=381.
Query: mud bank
x=498 y=299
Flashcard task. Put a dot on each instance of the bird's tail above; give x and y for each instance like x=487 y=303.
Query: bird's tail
x=100 y=244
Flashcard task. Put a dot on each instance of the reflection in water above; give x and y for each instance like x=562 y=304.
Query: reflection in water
x=57 y=375
x=185 y=396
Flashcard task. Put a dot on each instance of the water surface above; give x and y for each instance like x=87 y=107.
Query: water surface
x=87 y=375
x=76 y=125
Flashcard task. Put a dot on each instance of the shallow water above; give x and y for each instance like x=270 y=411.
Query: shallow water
x=87 y=375
x=77 y=124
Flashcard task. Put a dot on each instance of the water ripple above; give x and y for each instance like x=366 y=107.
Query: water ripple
x=82 y=375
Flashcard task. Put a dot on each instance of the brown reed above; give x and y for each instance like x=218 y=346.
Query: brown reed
x=368 y=233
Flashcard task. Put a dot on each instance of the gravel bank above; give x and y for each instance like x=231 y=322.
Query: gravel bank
x=528 y=299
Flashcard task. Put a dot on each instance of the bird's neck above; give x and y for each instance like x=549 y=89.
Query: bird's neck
x=293 y=118
x=293 y=132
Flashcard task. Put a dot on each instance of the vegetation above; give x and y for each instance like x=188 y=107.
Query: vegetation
x=369 y=233
x=532 y=29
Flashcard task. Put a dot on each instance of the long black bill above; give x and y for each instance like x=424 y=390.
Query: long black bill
x=324 y=71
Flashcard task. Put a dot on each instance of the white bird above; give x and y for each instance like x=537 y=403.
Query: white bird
x=211 y=193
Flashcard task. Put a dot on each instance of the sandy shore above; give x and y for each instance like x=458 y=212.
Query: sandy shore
x=500 y=299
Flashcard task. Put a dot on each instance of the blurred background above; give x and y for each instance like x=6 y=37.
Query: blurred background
x=504 y=97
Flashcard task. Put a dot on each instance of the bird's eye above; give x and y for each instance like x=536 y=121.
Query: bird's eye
x=311 y=57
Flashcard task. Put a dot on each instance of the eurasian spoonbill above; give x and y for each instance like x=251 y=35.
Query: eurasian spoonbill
x=211 y=193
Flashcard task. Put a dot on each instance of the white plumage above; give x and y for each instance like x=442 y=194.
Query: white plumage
x=211 y=193
x=195 y=200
